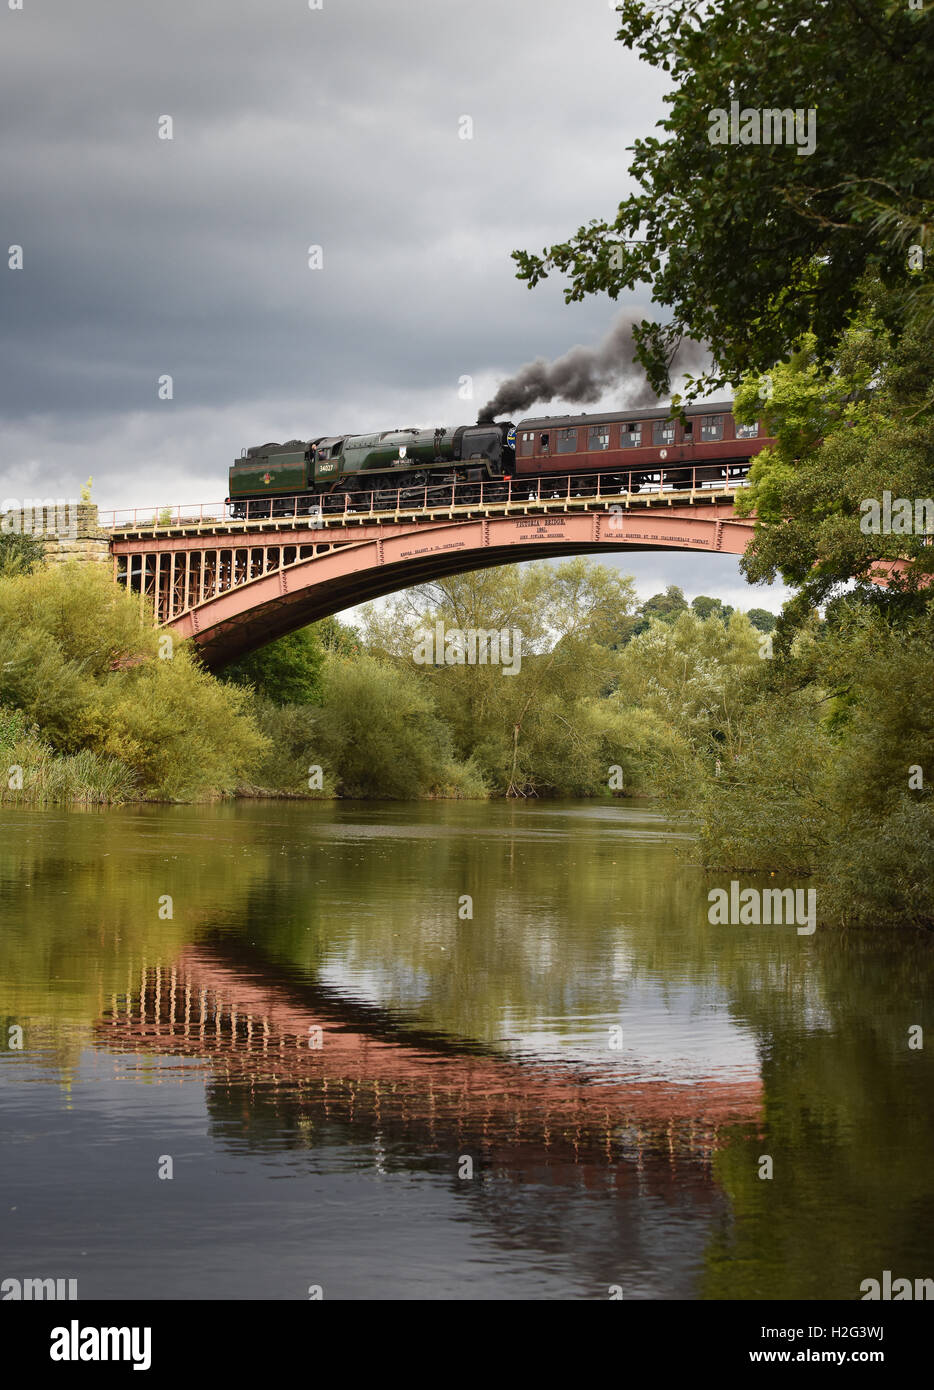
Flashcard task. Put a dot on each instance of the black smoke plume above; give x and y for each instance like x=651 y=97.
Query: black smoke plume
x=584 y=374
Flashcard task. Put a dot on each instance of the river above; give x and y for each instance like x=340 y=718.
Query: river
x=279 y=1050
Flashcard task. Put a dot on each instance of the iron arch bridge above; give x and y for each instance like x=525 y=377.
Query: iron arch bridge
x=232 y=585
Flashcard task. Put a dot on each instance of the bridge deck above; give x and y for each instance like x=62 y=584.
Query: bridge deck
x=214 y=523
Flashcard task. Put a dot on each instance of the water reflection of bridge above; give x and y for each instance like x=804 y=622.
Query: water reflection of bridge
x=289 y=1047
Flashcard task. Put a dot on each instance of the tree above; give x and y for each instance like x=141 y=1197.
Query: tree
x=762 y=619
x=86 y=674
x=666 y=607
x=693 y=675
x=287 y=671
x=381 y=735
x=847 y=432
x=827 y=773
x=706 y=607
x=335 y=636
x=747 y=246
x=531 y=731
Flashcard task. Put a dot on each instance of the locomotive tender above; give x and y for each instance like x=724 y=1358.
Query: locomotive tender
x=628 y=450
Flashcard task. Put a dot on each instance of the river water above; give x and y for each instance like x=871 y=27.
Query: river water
x=441 y=1050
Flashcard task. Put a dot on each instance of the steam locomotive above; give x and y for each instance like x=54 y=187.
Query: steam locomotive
x=631 y=450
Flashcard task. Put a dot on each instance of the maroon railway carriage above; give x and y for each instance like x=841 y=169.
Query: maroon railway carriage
x=642 y=448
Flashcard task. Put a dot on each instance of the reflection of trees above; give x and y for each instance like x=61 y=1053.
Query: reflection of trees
x=563 y=924
x=550 y=914
x=79 y=909
x=848 y=1123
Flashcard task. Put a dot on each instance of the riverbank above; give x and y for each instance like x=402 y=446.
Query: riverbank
x=790 y=758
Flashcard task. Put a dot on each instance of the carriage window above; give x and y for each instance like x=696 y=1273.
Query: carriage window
x=544 y=441
x=630 y=436
x=663 y=431
x=567 y=442
x=527 y=443
x=711 y=427
x=747 y=431
x=599 y=436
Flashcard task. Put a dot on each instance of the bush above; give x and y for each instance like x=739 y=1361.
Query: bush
x=767 y=808
x=286 y=672
x=20 y=554
x=183 y=734
x=881 y=873
x=292 y=738
x=84 y=672
x=381 y=735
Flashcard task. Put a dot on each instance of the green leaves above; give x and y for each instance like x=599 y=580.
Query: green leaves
x=287 y=671
x=846 y=430
x=164 y=726
x=765 y=227
x=20 y=554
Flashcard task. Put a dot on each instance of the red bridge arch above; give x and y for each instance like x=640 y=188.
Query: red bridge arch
x=233 y=586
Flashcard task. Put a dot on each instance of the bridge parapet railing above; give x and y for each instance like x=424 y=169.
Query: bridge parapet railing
x=188 y=514
x=387 y=503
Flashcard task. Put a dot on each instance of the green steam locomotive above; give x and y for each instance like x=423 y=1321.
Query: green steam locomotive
x=368 y=471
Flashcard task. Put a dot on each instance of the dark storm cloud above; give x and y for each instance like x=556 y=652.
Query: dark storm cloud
x=336 y=127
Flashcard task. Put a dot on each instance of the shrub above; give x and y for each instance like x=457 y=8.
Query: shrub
x=183 y=733
x=287 y=671
x=285 y=767
x=83 y=671
x=20 y=554
x=47 y=777
x=381 y=735
x=880 y=872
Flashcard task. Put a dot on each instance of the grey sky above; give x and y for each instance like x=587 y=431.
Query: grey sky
x=337 y=127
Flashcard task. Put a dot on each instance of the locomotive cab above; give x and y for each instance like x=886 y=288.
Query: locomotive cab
x=483 y=443
x=327 y=457
x=491 y=443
